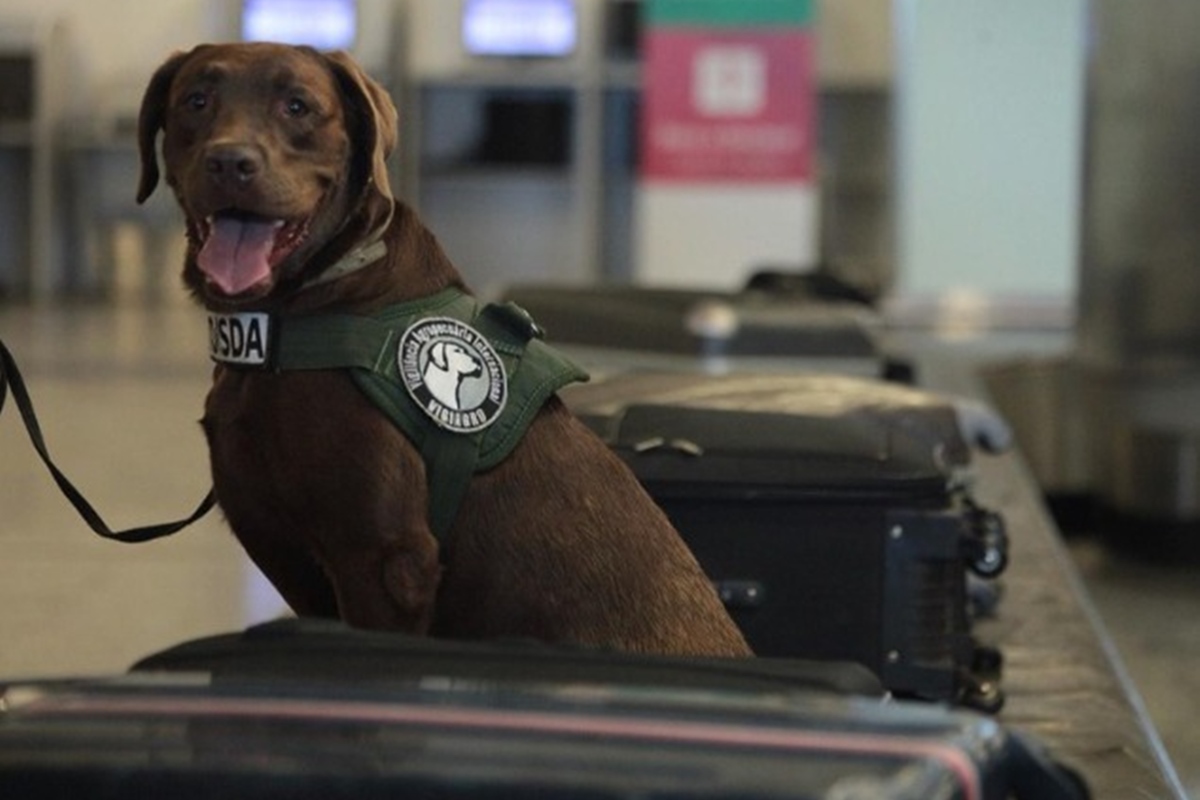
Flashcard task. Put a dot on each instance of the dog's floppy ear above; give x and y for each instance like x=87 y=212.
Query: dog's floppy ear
x=437 y=354
x=375 y=112
x=152 y=118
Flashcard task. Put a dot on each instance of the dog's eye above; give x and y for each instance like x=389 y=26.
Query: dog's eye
x=296 y=107
x=197 y=101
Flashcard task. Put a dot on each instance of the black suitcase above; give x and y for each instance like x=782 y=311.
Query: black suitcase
x=308 y=650
x=771 y=321
x=833 y=514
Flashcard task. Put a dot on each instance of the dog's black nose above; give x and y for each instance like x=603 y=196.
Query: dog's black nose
x=233 y=163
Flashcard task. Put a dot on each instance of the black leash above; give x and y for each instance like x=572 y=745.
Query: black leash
x=11 y=376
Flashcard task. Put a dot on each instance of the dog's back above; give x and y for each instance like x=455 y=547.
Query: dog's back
x=580 y=553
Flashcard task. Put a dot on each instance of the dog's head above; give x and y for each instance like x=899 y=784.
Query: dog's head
x=276 y=155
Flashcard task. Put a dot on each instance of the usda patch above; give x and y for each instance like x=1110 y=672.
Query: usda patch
x=452 y=372
x=241 y=339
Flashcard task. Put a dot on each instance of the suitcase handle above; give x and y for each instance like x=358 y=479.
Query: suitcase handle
x=682 y=446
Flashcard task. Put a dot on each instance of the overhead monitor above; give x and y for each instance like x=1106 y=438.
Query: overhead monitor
x=520 y=28
x=324 y=24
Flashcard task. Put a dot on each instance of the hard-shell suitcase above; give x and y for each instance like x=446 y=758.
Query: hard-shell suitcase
x=310 y=649
x=769 y=322
x=833 y=513
x=266 y=714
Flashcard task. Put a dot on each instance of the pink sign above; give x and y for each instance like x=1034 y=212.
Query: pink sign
x=729 y=105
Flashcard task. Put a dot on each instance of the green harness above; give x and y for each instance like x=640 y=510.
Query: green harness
x=461 y=380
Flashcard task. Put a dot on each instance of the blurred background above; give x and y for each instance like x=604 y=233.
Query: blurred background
x=1020 y=177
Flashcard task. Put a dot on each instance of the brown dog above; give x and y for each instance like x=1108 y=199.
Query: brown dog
x=276 y=155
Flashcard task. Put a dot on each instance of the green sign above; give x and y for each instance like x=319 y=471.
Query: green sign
x=730 y=13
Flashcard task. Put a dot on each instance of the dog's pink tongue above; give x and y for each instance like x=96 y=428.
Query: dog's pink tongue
x=236 y=256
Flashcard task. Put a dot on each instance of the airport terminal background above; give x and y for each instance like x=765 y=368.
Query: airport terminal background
x=1075 y=227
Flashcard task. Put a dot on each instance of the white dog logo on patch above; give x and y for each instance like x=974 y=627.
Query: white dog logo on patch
x=449 y=364
x=451 y=371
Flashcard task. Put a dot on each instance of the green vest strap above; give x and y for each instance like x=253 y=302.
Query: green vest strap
x=343 y=341
x=451 y=460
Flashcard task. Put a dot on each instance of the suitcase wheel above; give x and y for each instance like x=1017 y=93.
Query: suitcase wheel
x=981 y=694
x=987 y=661
x=987 y=551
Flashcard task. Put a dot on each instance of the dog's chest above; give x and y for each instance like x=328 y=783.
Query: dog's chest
x=265 y=429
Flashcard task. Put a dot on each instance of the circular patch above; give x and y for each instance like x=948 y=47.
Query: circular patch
x=453 y=373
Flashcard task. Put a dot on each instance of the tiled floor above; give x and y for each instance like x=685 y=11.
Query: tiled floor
x=119 y=391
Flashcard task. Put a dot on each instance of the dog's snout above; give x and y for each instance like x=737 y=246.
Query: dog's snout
x=233 y=162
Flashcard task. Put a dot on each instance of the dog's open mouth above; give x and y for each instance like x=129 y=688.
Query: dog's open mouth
x=239 y=251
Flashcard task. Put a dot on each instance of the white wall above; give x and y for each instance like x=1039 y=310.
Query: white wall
x=119 y=42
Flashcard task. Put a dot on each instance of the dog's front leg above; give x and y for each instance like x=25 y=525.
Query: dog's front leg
x=326 y=495
x=393 y=587
x=377 y=548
